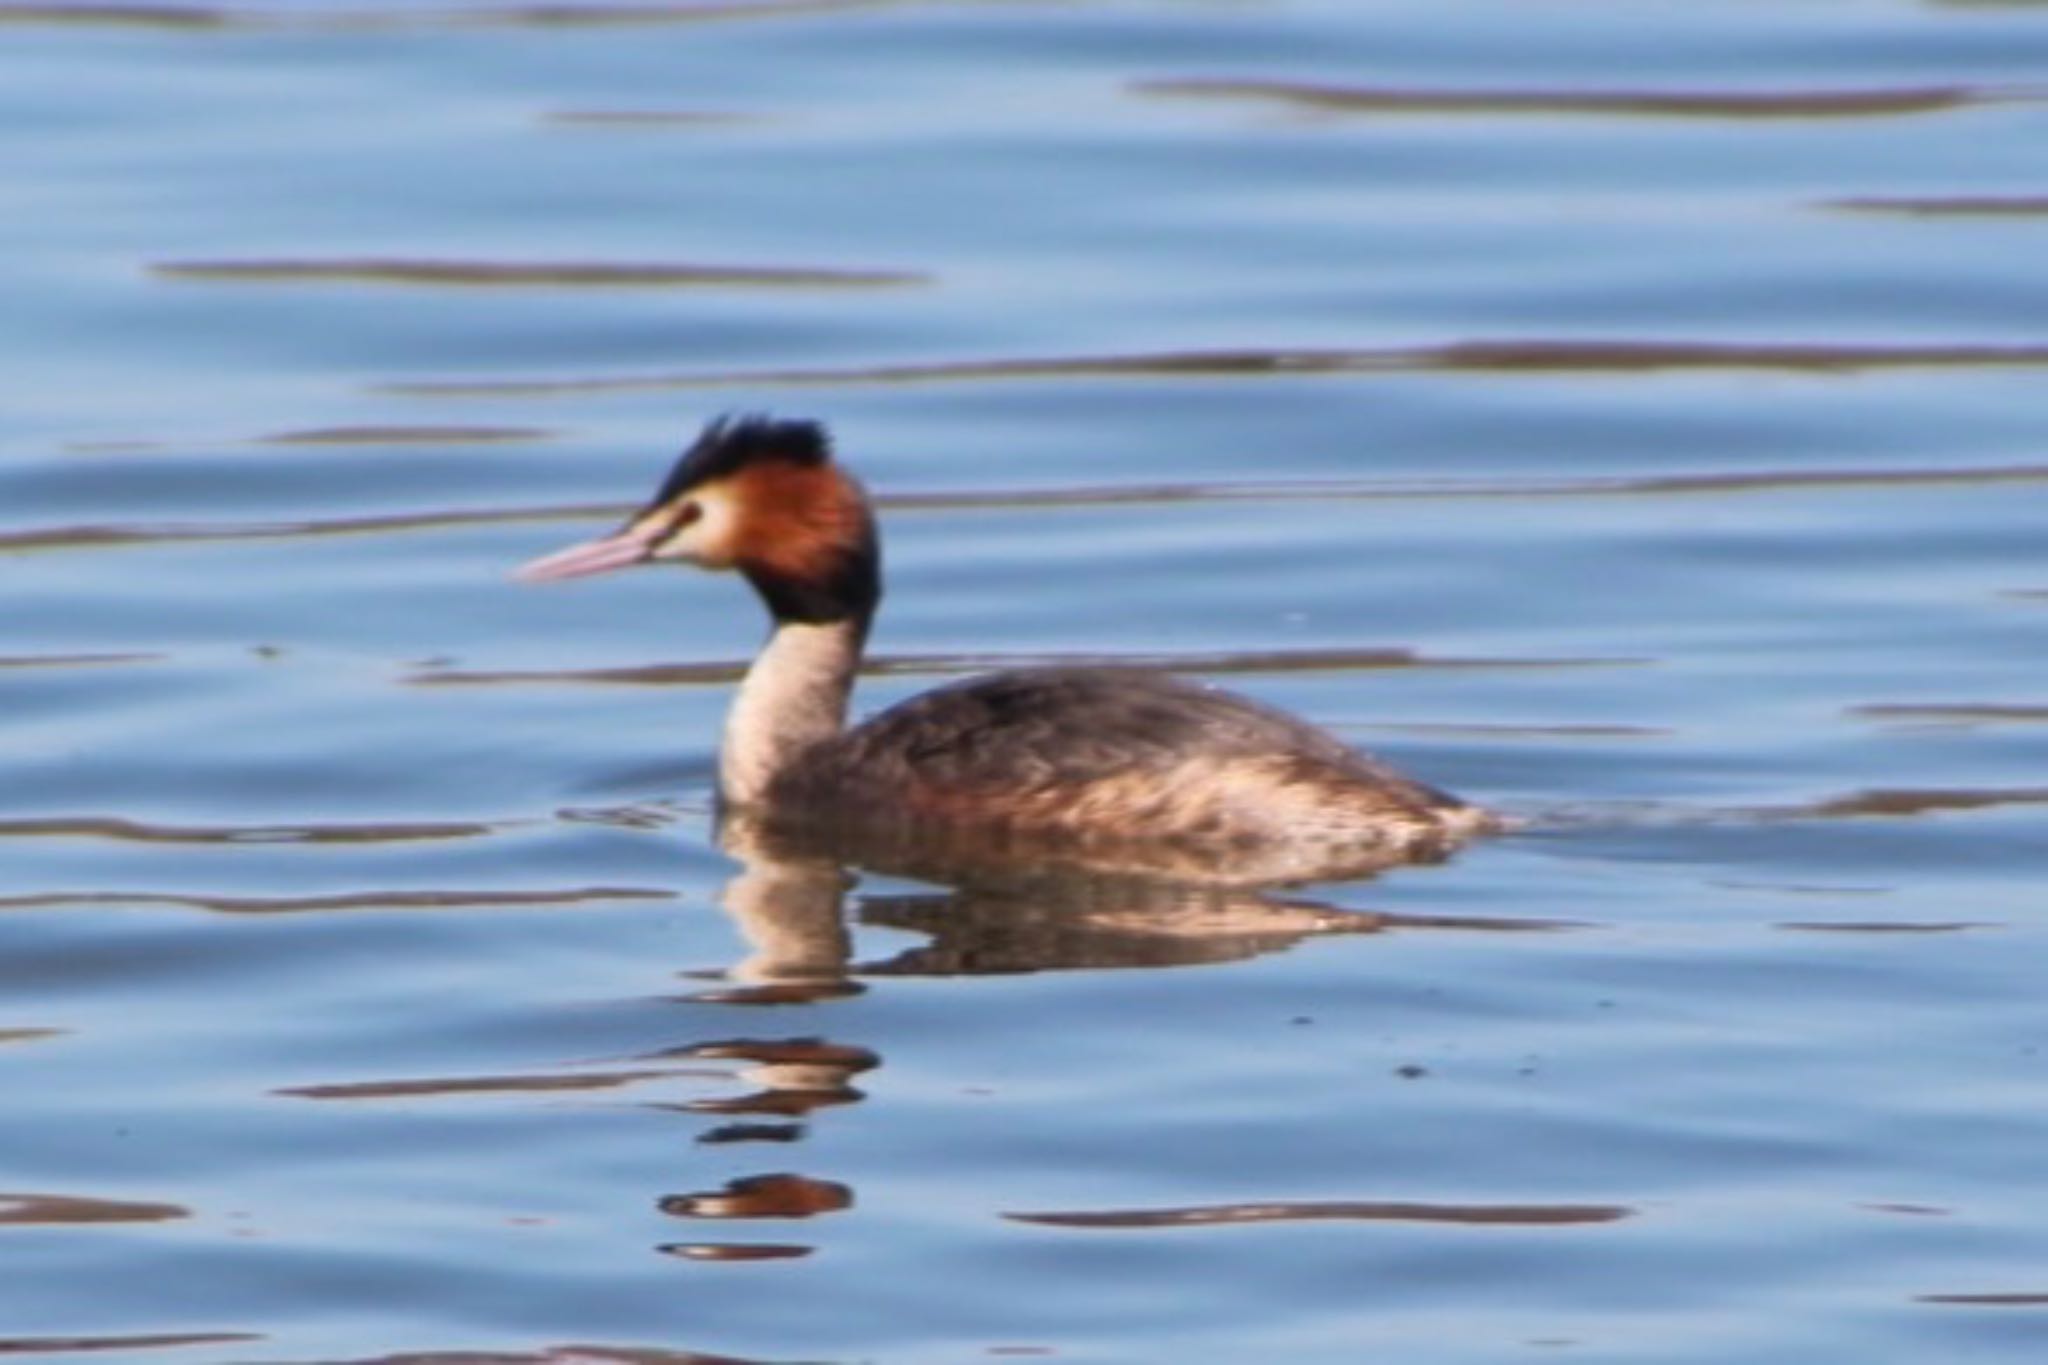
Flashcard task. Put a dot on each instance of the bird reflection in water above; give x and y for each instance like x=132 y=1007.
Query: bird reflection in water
x=1000 y=903
x=997 y=905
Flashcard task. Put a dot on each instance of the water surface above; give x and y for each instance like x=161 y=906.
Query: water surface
x=1628 y=416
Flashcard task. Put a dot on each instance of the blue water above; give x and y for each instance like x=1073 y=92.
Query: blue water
x=1626 y=415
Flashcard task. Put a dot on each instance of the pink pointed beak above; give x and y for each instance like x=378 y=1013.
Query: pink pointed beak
x=620 y=550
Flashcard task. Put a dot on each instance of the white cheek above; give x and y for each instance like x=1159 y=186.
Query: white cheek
x=707 y=541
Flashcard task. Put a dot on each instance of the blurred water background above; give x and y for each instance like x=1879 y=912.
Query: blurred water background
x=1627 y=413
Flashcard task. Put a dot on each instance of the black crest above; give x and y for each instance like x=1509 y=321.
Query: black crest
x=729 y=444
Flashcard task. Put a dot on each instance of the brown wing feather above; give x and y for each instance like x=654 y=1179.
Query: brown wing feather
x=1022 y=737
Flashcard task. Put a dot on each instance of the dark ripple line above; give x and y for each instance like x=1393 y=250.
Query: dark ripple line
x=1535 y=356
x=137 y=831
x=536 y=1083
x=1623 y=485
x=109 y=660
x=404 y=435
x=1878 y=926
x=919 y=665
x=1503 y=730
x=116 y=535
x=568 y=1353
x=208 y=18
x=1867 y=804
x=1951 y=713
x=105 y=535
x=146 y=16
x=741 y=1251
x=1945 y=206
x=19 y=1209
x=139 y=1342
x=362 y=900
x=1888 y=802
x=1724 y=104
x=30 y=1035
x=1389 y=1211
x=528 y=274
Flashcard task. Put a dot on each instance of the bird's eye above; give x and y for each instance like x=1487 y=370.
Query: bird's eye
x=687 y=513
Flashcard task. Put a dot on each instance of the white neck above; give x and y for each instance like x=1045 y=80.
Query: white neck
x=793 y=697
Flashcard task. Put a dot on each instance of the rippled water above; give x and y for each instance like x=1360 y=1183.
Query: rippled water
x=1628 y=415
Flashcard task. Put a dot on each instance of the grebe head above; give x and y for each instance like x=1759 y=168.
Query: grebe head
x=759 y=496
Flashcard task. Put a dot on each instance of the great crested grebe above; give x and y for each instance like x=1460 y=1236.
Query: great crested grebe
x=1169 y=774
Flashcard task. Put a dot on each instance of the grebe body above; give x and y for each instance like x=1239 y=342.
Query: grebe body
x=1128 y=769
